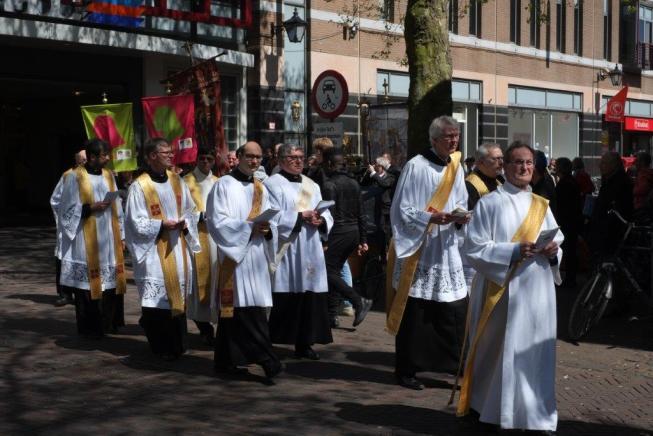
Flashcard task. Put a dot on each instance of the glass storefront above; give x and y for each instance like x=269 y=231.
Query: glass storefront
x=538 y=118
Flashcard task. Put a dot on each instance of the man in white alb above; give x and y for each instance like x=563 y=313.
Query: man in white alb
x=428 y=299
x=245 y=250
x=509 y=378
x=161 y=233
x=92 y=261
x=200 y=181
x=300 y=314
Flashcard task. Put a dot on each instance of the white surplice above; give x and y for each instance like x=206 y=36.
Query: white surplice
x=439 y=275
x=142 y=232
x=514 y=368
x=194 y=309
x=227 y=209
x=74 y=268
x=302 y=268
x=55 y=201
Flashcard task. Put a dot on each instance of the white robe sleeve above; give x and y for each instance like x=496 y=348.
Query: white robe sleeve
x=55 y=199
x=483 y=252
x=70 y=208
x=192 y=218
x=141 y=231
x=407 y=215
x=286 y=219
x=550 y=223
x=121 y=214
x=231 y=235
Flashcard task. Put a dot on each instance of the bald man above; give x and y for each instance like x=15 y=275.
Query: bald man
x=245 y=249
x=65 y=293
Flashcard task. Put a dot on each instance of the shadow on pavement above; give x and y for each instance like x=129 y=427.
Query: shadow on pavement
x=384 y=358
x=323 y=370
x=435 y=422
x=36 y=298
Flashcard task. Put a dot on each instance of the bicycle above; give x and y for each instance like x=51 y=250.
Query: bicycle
x=592 y=300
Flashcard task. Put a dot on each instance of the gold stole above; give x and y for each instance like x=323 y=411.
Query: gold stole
x=228 y=267
x=203 y=258
x=302 y=203
x=90 y=235
x=163 y=245
x=527 y=231
x=479 y=184
x=396 y=300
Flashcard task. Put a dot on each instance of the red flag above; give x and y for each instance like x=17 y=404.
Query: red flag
x=173 y=118
x=616 y=107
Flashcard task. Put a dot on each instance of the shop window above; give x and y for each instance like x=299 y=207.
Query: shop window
x=453 y=16
x=637 y=108
x=475 y=12
x=466 y=90
x=515 y=21
x=578 y=27
x=397 y=82
x=550 y=99
x=554 y=133
x=607 y=29
x=561 y=25
x=229 y=91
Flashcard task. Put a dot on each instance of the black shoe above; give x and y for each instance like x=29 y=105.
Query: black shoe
x=361 y=312
x=335 y=323
x=272 y=368
x=62 y=301
x=410 y=382
x=230 y=370
x=306 y=353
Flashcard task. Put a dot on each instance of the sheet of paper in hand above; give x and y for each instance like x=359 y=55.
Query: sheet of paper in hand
x=324 y=205
x=545 y=237
x=459 y=212
x=265 y=216
x=112 y=195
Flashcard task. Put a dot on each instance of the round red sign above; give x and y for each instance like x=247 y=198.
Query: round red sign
x=330 y=95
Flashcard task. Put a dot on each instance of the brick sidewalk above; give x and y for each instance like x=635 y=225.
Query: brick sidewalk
x=56 y=383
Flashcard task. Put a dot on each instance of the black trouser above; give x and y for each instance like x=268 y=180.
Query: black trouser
x=340 y=246
x=95 y=317
x=63 y=291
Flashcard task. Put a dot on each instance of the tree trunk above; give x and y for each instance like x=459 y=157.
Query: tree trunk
x=429 y=64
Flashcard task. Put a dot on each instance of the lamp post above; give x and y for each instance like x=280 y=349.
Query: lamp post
x=616 y=78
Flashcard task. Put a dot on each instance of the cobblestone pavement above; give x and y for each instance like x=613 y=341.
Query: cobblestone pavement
x=54 y=382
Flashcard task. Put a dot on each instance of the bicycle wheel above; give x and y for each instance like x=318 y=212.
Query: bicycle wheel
x=589 y=305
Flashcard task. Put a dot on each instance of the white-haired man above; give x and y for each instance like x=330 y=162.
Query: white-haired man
x=428 y=299
x=300 y=314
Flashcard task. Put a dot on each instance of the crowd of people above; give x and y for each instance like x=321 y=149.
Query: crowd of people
x=259 y=246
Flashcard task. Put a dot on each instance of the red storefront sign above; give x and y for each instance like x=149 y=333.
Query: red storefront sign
x=639 y=124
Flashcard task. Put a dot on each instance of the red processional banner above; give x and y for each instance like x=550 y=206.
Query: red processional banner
x=173 y=118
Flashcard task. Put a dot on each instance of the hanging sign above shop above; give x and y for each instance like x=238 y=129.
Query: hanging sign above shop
x=639 y=124
x=330 y=94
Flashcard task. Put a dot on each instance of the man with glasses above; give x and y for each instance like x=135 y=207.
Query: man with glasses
x=92 y=263
x=246 y=246
x=509 y=378
x=487 y=173
x=161 y=233
x=428 y=294
x=200 y=181
x=300 y=314
x=486 y=176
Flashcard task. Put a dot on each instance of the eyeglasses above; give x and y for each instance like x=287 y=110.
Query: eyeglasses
x=519 y=163
x=295 y=158
x=451 y=136
x=253 y=156
x=496 y=159
x=166 y=153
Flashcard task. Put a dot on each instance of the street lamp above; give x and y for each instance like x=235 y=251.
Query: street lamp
x=295 y=28
x=615 y=75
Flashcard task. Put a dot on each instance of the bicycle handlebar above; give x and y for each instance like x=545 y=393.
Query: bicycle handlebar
x=618 y=215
